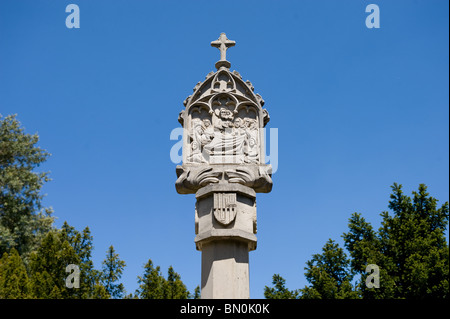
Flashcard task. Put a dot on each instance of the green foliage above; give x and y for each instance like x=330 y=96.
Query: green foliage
x=175 y=288
x=410 y=249
x=112 y=271
x=14 y=283
x=91 y=286
x=47 y=269
x=153 y=285
x=48 y=265
x=329 y=275
x=34 y=254
x=23 y=220
x=197 y=294
x=279 y=291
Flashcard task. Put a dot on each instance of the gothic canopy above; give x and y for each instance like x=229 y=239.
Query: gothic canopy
x=223 y=123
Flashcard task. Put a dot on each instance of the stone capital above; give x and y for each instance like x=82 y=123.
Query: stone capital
x=192 y=178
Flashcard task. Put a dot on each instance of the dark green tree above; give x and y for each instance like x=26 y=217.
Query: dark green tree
x=111 y=274
x=48 y=268
x=197 y=293
x=91 y=286
x=26 y=227
x=409 y=248
x=23 y=219
x=279 y=290
x=174 y=288
x=152 y=283
x=14 y=283
x=329 y=275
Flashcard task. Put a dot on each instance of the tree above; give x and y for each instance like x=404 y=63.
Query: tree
x=410 y=250
x=91 y=286
x=153 y=285
x=48 y=268
x=279 y=291
x=197 y=293
x=111 y=273
x=27 y=236
x=329 y=275
x=14 y=283
x=410 y=247
x=23 y=220
x=174 y=287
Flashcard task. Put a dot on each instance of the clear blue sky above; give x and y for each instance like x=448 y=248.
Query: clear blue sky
x=356 y=109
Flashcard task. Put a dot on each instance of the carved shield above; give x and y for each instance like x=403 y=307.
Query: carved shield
x=225 y=207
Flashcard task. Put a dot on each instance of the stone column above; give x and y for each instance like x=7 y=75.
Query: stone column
x=225 y=222
x=224 y=166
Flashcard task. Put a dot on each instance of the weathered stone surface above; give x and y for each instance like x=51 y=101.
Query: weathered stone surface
x=223 y=44
x=218 y=203
x=193 y=177
x=223 y=123
x=224 y=166
x=224 y=235
x=225 y=271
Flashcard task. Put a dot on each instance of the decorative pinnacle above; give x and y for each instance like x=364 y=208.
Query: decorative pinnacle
x=223 y=43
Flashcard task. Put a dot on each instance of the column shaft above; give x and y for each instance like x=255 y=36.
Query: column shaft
x=225 y=272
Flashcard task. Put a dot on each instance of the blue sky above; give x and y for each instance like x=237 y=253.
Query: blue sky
x=356 y=109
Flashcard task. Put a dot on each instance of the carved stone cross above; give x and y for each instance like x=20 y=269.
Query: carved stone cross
x=223 y=43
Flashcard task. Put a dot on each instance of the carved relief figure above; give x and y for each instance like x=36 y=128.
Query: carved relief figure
x=222 y=121
x=231 y=139
x=196 y=137
x=252 y=141
x=226 y=143
x=208 y=132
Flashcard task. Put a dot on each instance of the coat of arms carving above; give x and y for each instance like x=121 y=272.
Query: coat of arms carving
x=225 y=207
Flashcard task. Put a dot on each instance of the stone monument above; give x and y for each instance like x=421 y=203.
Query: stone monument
x=224 y=166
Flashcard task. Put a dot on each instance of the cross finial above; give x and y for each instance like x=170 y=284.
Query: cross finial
x=223 y=43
